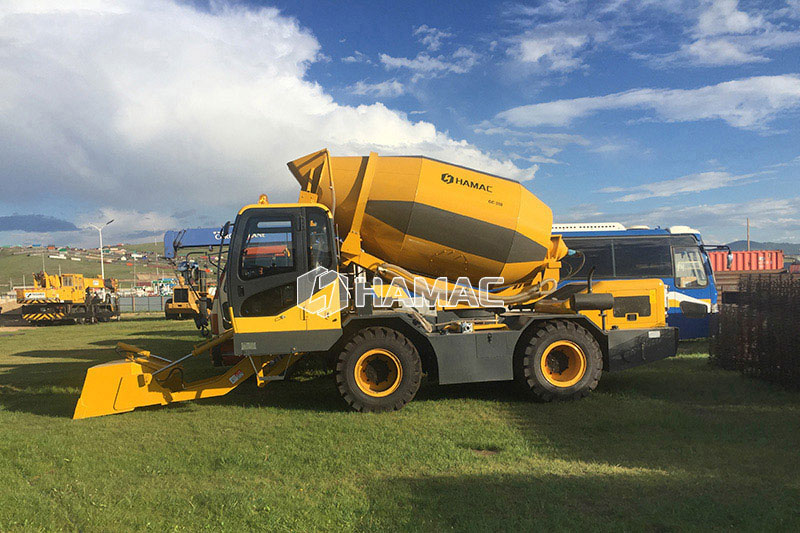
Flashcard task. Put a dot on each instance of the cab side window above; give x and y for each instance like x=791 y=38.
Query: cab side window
x=319 y=241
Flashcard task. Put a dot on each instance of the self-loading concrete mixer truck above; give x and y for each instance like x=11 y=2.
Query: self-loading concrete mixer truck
x=396 y=268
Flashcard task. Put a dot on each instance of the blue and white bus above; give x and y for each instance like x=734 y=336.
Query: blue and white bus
x=676 y=255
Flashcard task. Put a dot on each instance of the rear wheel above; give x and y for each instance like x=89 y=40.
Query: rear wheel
x=379 y=369
x=562 y=361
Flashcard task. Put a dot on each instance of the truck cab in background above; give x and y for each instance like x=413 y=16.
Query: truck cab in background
x=676 y=255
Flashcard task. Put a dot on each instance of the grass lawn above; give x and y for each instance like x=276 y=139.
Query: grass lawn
x=674 y=445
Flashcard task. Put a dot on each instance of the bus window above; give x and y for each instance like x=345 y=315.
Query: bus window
x=689 y=270
x=598 y=255
x=642 y=258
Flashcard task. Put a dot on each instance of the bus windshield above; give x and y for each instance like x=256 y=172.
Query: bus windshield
x=689 y=270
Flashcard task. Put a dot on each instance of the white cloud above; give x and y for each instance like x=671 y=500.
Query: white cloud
x=431 y=37
x=425 y=65
x=541 y=159
x=158 y=106
x=793 y=8
x=558 y=35
x=726 y=35
x=557 y=52
x=719 y=52
x=749 y=103
x=556 y=47
x=772 y=219
x=357 y=57
x=702 y=181
x=549 y=144
x=608 y=148
x=724 y=16
x=384 y=89
x=129 y=225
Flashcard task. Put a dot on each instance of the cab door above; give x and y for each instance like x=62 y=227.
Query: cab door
x=269 y=252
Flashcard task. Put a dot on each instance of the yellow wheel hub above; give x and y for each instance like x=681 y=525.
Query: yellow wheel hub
x=378 y=372
x=563 y=364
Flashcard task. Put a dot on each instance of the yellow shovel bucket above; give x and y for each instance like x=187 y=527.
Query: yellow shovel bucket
x=143 y=379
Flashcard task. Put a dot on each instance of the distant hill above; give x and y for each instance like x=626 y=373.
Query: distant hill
x=18 y=264
x=787 y=247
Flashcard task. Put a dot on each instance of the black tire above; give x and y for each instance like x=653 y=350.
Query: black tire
x=388 y=361
x=573 y=366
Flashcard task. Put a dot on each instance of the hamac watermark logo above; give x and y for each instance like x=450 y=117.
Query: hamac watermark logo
x=322 y=292
x=325 y=292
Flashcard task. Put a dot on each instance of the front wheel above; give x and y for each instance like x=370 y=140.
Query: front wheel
x=378 y=370
x=562 y=361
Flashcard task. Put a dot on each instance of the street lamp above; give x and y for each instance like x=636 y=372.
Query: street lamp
x=100 y=230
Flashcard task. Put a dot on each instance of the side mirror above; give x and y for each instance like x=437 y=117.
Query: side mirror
x=223 y=232
x=730 y=258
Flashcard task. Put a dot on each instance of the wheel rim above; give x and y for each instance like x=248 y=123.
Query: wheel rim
x=378 y=372
x=563 y=364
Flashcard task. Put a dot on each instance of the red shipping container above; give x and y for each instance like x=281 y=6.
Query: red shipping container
x=747 y=261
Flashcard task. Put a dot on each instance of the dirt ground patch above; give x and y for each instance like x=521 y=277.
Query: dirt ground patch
x=9 y=329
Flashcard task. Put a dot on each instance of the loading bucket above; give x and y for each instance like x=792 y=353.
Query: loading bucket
x=118 y=387
x=143 y=379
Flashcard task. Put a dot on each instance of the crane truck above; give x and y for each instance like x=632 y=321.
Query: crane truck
x=55 y=299
x=382 y=266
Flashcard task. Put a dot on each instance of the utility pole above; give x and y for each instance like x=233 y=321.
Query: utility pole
x=748 y=234
x=42 y=259
x=100 y=231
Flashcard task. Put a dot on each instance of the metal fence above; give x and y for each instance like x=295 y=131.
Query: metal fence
x=759 y=335
x=141 y=304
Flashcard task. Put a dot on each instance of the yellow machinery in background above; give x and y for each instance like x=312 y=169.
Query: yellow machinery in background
x=190 y=298
x=369 y=268
x=68 y=298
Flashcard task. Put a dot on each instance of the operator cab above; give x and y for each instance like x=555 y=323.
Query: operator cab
x=280 y=258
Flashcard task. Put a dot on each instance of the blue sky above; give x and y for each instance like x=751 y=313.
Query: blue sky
x=166 y=115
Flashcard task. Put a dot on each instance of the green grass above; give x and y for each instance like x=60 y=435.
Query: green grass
x=675 y=445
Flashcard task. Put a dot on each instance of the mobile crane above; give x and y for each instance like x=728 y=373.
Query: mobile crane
x=330 y=275
x=68 y=298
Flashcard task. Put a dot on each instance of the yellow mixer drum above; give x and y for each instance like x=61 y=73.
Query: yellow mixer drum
x=435 y=218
